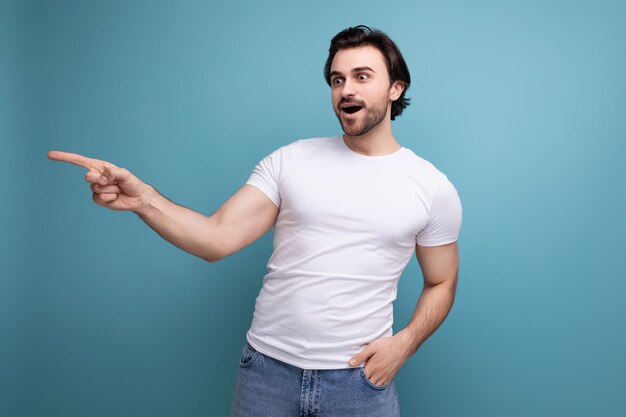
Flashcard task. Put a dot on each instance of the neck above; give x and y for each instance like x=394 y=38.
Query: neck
x=378 y=141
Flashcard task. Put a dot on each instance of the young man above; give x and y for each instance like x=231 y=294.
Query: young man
x=348 y=213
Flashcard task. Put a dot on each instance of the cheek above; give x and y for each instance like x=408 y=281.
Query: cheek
x=374 y=93
x=334 y=97
x=383 y=95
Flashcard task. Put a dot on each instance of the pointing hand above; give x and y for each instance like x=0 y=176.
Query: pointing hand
x=113 y=187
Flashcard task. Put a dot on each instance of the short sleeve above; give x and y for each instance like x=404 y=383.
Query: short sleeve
x=266 y=174
x=445 y=217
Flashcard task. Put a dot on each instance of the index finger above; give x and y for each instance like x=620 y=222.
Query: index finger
x=76 y=159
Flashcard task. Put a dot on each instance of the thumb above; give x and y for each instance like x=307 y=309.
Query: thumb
x=361 y=357
x=112 y=174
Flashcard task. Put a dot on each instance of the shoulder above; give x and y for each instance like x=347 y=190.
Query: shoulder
x=424 y=168
x=303 y=148
x=290 y=155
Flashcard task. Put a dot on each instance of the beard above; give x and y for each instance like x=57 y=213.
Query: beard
x=365 y=122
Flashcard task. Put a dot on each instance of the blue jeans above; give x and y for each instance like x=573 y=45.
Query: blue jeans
x=267 y=387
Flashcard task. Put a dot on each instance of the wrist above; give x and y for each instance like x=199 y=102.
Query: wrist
x=407 y=341
x=146 y=201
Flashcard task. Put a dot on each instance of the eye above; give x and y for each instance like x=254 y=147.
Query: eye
x=336 y=81
x=363 y=77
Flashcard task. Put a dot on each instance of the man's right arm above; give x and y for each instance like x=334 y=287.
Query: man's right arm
x=242 y=219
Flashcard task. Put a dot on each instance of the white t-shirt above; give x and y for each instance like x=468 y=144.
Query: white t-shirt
x=347 y=227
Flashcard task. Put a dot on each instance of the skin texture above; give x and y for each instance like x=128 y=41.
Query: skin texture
x=249 y=213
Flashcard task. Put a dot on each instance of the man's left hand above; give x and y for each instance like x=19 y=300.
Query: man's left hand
x=383 y=358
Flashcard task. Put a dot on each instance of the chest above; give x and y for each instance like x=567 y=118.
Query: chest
x=377 y=202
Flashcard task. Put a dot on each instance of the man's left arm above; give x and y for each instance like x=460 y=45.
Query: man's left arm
x=385 y=356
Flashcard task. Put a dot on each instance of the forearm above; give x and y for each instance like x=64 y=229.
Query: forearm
x=432 y=308
x=187 y=229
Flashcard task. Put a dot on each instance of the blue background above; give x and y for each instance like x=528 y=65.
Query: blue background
x=521 y=104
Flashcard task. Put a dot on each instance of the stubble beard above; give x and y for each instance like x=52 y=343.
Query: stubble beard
x=370 y=120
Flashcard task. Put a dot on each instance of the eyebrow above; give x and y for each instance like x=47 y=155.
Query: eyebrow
x=357 y=69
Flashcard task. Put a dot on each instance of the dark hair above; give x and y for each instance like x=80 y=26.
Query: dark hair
x=396 y=67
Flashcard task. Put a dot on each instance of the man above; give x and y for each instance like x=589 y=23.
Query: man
x=348 y=213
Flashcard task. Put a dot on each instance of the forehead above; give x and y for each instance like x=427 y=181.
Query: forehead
x=361 y=56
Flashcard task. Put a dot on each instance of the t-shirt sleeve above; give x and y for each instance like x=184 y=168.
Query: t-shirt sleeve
x=266 y=174
x=445 y=217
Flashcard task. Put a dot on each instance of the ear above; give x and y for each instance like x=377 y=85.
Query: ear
x=395 y=91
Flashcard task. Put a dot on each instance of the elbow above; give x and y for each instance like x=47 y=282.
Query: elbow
x=212 y=259
x=215 y=254
x=214 y=250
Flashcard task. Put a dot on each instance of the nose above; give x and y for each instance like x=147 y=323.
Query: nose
x=347 y=89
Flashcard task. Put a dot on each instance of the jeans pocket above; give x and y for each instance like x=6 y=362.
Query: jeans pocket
x=248 y=356
x=370 y=383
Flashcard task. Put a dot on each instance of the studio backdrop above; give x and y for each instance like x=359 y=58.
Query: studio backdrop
x=521 y=104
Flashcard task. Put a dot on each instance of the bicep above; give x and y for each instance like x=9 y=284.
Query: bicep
x=244 y=218
x=439 y=263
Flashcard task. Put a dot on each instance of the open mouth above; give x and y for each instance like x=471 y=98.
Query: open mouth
x=351 y=109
